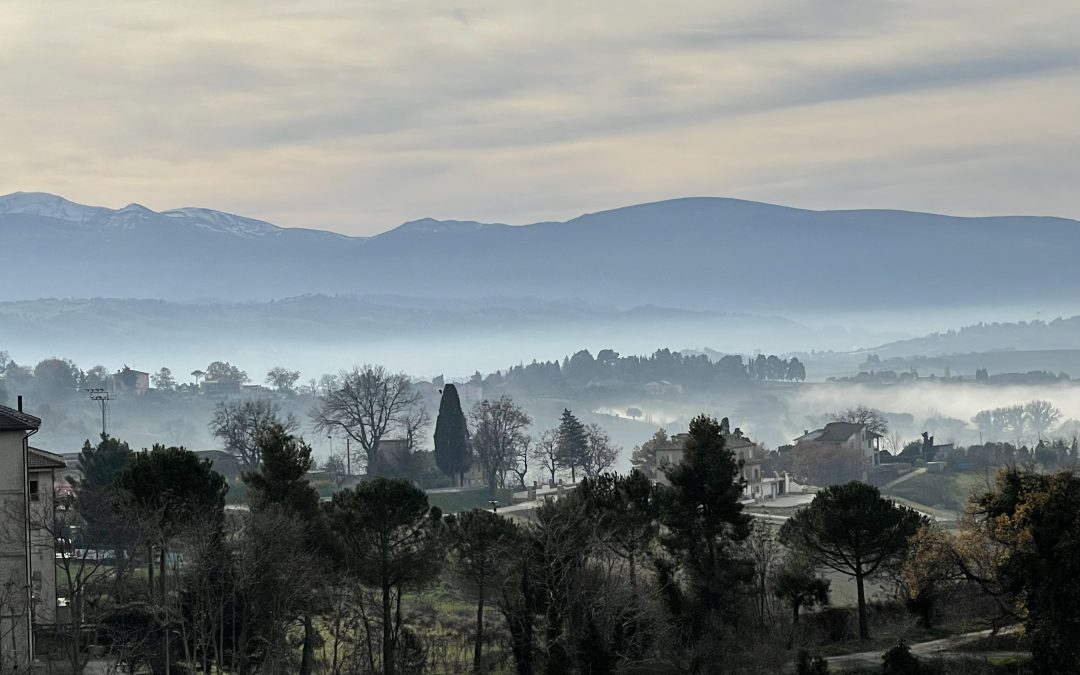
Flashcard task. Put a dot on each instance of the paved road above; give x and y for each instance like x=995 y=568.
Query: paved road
x=907 y=476
x=943 y=648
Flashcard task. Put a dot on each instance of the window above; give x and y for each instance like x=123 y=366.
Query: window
x=37 y=580
x=34 y=495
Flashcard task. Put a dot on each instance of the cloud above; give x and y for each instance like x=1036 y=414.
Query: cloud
x=358 y=116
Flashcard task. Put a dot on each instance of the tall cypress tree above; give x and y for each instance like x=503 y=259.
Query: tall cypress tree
x=451 y=437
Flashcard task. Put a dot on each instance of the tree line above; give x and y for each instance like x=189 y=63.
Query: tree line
x=621 y=573
x=1017 y=422
x=384 y=419
x=608 y=368
x=56 y=379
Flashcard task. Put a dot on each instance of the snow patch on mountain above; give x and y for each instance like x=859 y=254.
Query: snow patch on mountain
x=49 y=206
x=219 y=221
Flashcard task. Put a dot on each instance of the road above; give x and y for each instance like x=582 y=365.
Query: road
x=943 y=648
x=907 y=476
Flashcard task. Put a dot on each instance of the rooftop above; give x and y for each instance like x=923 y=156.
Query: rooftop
x=43 y=459
x=14 y=420
x=838 y=432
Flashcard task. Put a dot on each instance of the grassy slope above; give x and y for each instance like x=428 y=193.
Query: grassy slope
x=456 y=502
x=948 y=491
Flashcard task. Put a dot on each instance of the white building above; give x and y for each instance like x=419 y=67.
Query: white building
x=756 y=485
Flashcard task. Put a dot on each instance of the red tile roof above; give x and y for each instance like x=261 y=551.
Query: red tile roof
x=43 y=459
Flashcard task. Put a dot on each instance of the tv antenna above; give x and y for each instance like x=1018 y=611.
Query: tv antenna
x=102 y=396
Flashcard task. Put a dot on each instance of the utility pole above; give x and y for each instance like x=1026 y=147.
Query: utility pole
x=103 y=397
x=348 y=457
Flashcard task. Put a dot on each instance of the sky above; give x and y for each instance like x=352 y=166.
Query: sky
x=357 y=116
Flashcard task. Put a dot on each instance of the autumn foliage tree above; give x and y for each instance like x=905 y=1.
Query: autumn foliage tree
x=1036 y=520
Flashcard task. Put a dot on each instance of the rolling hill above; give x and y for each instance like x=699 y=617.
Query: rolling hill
x=702 y=253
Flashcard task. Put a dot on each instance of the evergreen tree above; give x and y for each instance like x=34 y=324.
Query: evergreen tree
x=702 y=515
x=573 y=443
x=94 y=500
x=481 y=542
x=99 y=464
x=797 y=584
x=281 y=483
x=624 y=510
x=852 y=529
x=172 y=490
x=282 y=477
x=452 y=454
x=387 y=536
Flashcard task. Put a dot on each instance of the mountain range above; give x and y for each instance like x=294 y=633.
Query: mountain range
x=703 y=253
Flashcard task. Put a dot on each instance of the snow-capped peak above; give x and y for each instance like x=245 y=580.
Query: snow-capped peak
x=48 y=206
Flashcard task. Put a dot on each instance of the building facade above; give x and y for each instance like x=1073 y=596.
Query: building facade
x=756 y=485
x=28 y=482
x=16 y=559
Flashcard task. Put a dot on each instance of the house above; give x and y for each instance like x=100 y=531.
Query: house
x=221 y=388
x=27 y=552
x=849 y=435
x=927 y=451
x=223 y=461
x=45 y=471
x=131 y=381
x=757 y=486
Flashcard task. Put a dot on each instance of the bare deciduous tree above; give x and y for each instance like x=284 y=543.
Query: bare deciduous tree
x=239 y=423
x=498 y=434
x=873 y=418
x=369 y=403
x=545 y=450
x=1041 y=416
x=601 y=454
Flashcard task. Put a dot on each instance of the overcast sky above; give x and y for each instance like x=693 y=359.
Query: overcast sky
x=356 y=116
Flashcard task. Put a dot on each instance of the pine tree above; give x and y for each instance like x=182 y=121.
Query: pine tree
x=282 y=478
x=702 y=513
x=99 y=465
x=281 y=482
x=389 y=537
x=573 y=443
x=452 y=453
x=854 y=530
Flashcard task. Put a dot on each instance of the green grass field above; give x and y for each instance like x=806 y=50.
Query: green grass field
x=468 y=499
x=949 y=491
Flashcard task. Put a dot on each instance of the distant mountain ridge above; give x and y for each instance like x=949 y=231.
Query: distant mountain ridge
x=697 y=253
x=1057 y=334
x=30 y=206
